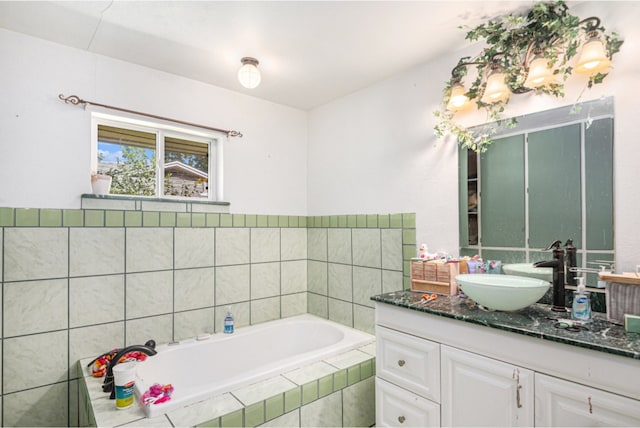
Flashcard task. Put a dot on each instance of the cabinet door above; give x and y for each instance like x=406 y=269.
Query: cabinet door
x=409 y=361
x=397 y=407
x=563 y=403
x=480 y=391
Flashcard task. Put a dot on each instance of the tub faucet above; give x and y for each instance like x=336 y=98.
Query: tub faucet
x=147 y=348
x=558 y=275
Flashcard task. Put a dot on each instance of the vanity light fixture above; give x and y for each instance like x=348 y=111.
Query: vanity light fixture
x=530 y=52
x=249 y=75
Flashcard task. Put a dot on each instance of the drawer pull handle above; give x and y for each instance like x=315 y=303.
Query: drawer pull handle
x=401 y=419
x=401 y=363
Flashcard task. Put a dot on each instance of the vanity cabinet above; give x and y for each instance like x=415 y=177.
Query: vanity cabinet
x=437 y=371
x=563 y=403
x=480 y=391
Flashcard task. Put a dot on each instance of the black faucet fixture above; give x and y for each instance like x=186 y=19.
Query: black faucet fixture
x=558 y=275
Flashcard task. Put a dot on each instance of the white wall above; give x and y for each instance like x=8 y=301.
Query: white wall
x=45 y=144
x=375 y=150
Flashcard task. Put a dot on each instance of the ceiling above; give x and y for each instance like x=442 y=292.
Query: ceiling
x=310 y=52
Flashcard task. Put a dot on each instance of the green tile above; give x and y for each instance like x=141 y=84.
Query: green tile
x=254 y=414
x=27 y=216
x=302 y=221
x=226 y=220
x=183 y=219
x=373 y=367
x=325 y=386
x=150 y=218
x=273 y=221
x=6 y=217
x=294 y=221
x=409 y=251
x=133 y=218
x=49 y=217
x=395 y=220
x=213 y=220
x=251 y=220
x=340 y=380
x=167 y=219
x=326 y=221
x=365 y=369
x=292 y=400
x=232 y=419
x=283 y=221
x=114 y=218
x=406 y=282
x=372 y=220
x=342 y=221
x=361 y=220
x=353 y=374
x=198 y=220
x=274 y=407
x=352 y=221
x=238 y=220
x=263 y=221
x=409 y=236
x=213 y=423
x=309 y=392
x=333 y=221
x=409 y=220
x=383 y=221
x=93 y=218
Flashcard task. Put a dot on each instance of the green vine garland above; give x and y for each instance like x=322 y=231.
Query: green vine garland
x=554 y=29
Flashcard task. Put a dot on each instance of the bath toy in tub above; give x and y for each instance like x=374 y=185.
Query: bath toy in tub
x=99 y=365
x=157 y=394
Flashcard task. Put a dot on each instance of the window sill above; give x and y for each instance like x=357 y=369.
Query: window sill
x=141 y=203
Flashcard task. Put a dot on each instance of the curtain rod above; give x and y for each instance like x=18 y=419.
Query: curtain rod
x=75 y=100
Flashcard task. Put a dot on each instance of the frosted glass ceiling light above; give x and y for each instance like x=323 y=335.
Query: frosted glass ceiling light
x=458 y=99
x=249 y=75
x=539 y=73
x=496 y=90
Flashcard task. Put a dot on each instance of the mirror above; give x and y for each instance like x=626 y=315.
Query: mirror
x=549 y=178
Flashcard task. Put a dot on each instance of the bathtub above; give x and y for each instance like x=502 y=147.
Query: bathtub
x=219 y=363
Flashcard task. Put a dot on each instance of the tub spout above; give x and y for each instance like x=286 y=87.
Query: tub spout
x=147 y=348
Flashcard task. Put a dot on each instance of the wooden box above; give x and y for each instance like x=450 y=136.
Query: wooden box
x=438 y=277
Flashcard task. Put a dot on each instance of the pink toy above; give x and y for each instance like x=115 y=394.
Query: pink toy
x=157 y=394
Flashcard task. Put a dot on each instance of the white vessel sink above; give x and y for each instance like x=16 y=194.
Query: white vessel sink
x=528 y=270
x=502 y=292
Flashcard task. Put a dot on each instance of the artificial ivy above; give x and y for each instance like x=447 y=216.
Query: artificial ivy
x=553 y=29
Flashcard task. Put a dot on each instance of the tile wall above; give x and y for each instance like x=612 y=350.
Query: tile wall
x=77 y=283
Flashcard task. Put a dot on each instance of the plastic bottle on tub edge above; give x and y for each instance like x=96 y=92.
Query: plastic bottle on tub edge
x=228 y=322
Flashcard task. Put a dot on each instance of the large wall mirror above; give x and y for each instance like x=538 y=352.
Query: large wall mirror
x=549 y=178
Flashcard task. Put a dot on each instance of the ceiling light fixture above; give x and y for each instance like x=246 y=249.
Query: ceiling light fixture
x=530 y=52
x=249 y=75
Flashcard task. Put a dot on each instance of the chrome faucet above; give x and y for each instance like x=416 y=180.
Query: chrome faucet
x=147 y=348
x=558 y=275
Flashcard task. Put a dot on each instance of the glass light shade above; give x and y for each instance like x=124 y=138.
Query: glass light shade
x=539 y=73
x=249 y=75
x=458 y=100
x=593 y=58
x=496 y=90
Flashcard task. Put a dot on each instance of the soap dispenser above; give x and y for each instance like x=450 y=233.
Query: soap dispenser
x=581 y=308
x=228 y=322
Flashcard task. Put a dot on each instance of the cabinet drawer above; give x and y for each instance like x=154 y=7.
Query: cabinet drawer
x=563 y=403
x=397 y=407
x=409 y=361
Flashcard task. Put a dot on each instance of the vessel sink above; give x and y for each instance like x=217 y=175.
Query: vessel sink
x=502 y=292
x=528 y=270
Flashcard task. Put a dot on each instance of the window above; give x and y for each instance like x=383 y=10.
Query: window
x=153 y=160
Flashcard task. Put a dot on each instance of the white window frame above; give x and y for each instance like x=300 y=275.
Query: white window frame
x=215 y=141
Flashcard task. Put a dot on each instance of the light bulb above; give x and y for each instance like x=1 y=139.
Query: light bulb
x=593 y=58
x=458 y=100
x=496 y=90
x=539 y=73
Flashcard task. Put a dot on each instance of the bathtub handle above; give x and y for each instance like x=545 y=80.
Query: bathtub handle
x=401 y=419
x=401 y=363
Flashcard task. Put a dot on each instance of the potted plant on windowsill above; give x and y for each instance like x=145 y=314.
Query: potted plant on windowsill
x=100 y=183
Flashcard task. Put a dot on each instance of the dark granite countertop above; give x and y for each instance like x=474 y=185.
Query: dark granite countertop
x=537 y=320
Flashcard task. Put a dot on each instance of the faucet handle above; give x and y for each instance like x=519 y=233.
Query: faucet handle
x=554 y=244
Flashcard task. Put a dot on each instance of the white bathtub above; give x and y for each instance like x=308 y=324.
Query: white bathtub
x=200 y=369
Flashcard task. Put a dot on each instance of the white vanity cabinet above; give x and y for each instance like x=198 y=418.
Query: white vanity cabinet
x=436 y=371
x=560 y=403
x=480 y=391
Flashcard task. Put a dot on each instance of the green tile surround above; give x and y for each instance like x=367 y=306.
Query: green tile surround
x=249 y=415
